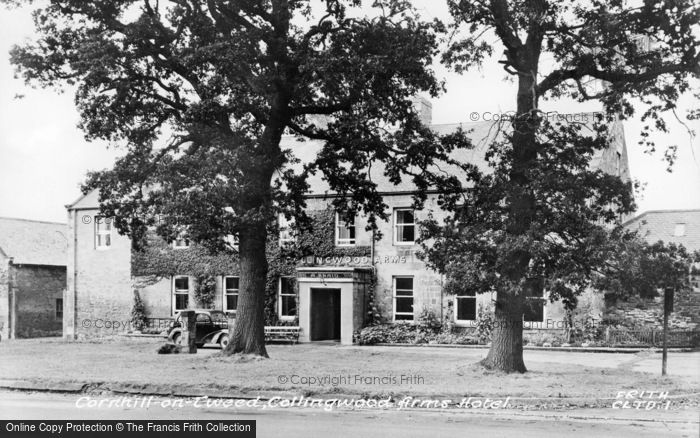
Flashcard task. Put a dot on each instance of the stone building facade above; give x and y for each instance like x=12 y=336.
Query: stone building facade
x=32 y=278
x=337 y=288
x=669 y=226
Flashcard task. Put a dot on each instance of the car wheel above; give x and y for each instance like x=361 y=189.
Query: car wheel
x=177 y=339
x=223 y=341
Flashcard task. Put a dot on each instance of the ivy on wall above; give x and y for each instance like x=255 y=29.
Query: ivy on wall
x=157 y=260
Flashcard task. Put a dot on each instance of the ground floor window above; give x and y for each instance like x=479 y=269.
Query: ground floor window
x=231 y=289
x=287 y=298
x=59 y=308
x=534 y=303
x=182 y=293
x=403 y=298
x=466 y=307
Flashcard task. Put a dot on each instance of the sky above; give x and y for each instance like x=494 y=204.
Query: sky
x=44 y=157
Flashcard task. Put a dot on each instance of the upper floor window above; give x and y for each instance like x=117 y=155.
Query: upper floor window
x=679 y=230
x=181 y=242
x=286 y=231
x=404 y=226
x=103 y=232
x=403 y=298
x=344 y=231
x=232 y=241
x=231 y=289
x=181 y=293
x=287 y=298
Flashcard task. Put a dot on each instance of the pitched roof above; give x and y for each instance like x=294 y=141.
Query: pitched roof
x=32 y=242
x=677 y=226
x=482 y=135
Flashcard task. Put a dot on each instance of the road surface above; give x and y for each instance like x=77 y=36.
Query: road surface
x=309 y=422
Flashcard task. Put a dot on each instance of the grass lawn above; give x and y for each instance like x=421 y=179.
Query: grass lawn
x=592 y=378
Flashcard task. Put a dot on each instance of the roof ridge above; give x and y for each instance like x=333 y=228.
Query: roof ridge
x=676 y=210
x=31 y=220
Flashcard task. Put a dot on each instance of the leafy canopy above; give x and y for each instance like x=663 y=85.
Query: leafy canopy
x=543 y=210
x=223 y=81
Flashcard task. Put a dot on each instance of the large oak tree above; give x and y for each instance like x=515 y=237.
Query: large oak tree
x=538 y=218
x=200 y=93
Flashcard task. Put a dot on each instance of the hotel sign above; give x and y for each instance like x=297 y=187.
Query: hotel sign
x=326 y=274
x=350 y=261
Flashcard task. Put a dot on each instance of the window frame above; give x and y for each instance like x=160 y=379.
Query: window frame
x=288 y=225
x=232 y=241
x=279 y=301
x=680 y=229
x=226 y=294
x=59 y=309
x=396 y=226
x=340 y=223
x=178 y=239
x=394 y=313
x=456 y=308
x=177 y=292
x=543 y=300
x=107 y=222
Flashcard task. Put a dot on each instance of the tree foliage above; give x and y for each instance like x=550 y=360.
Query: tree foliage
x=223 y=82
x=636 y=268
x=539 y=216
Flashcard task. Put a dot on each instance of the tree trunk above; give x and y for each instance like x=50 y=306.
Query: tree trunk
x=248 y=335
x=506 y=352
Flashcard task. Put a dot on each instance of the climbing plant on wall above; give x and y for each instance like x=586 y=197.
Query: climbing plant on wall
x=154 y=260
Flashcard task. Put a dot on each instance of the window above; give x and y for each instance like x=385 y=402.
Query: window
x=182 y=293
x=286 y=234
x=404 y=227
x=466 y=307
x=59 y=308
x=103 y=232
x=534 y=302
x=287 y=298
x=344 y=231
x=202 y=318
x=679 y=230
x=403 y=298
x=232 y=241
x=181 y=242
x=231 y=285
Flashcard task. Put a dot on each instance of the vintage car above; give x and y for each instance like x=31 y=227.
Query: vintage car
x=211 y=328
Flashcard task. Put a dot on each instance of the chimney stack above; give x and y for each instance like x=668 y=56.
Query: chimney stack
x=424 y=109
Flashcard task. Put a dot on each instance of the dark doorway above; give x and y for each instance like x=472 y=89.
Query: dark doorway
x=325 y=314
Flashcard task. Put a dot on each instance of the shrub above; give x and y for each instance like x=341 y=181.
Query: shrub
x=398 y=333
x=485 y=321
x=428 y=322
x=169 y=349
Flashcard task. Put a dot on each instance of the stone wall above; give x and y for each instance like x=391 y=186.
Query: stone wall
x=100 y=292
x=4 y=297
x=36 y=289
x=643 y=313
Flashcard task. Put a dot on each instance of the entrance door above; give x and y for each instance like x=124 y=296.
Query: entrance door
x=325 y=314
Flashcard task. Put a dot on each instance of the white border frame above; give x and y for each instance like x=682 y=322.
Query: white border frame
x=337 y=225
x=393 y=298
x=476 y=311
x=174 y=293
x=224 y=294
x=279 y=301
x=102 y=220
x=395 y=226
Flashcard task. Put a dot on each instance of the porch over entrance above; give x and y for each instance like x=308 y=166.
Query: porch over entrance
x=332 y=302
